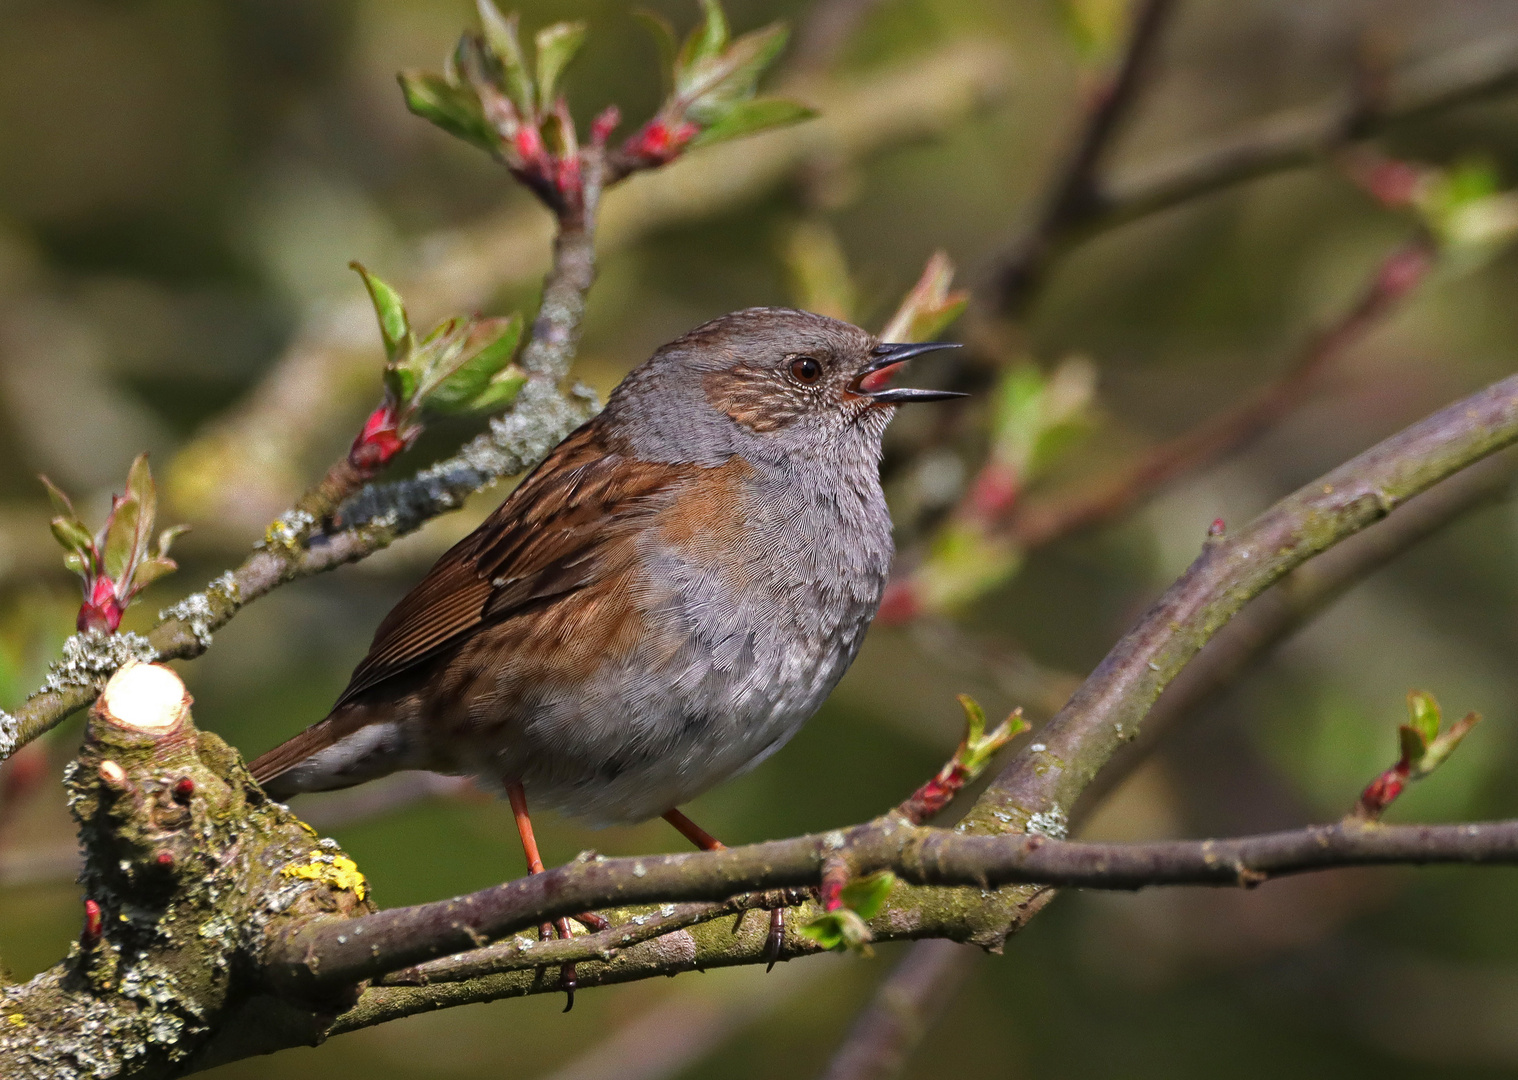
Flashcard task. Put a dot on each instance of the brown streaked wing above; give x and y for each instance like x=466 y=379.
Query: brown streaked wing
x=543 y=542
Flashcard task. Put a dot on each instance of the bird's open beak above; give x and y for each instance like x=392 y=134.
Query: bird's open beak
x=874 y=381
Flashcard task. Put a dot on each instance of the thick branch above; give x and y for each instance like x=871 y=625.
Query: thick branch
x=1295 y=601
x=328 y=953
x=1109 y=708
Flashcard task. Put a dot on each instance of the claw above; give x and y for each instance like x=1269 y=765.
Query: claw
x=568 y=984
x=592 y=922
x=776 y=940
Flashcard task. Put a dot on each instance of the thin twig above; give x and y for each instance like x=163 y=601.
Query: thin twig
x=1072 y=193
x=1290 y=140
x=1034 y=523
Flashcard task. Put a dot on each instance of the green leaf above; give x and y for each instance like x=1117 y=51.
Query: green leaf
x=167 y=537
x=664 y=40
x=1445 y=744
x=483 y=353
x=395 y=327
x=506 y=46
x=1411 y=745
x=930 y=306
x=557 y=46
x=841 y=929
x=713 y=85
x=1423 y=714
x=705 y=41
x=868 y=894
x=502 y=391
x=73 y=536
x=748 y=117
x=121 y=549
x=150 y=570
x=62 y=505
x=455 y=109
x=975 y=719
x=964 y=564
x=141 y=490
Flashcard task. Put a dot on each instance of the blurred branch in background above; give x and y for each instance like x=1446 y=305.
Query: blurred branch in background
x=1072 y=197
x=1285 y=142
x=996 y=523
x=687 y=1025
x=910 y=1000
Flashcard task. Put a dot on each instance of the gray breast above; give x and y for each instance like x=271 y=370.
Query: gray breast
x=761 y=644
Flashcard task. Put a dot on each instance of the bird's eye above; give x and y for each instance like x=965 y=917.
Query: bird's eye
x=805 y=369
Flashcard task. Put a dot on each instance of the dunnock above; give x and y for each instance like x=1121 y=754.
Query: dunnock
x=660 y=604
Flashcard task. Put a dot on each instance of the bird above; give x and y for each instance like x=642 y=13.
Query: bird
x=659 y=605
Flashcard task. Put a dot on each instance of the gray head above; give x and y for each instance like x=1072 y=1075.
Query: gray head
x=769 y=384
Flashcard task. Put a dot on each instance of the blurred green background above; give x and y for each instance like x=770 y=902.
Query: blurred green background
x=181 y=187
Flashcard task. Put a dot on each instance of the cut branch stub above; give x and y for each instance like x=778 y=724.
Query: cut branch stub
x=188 y=870
x=148 y=698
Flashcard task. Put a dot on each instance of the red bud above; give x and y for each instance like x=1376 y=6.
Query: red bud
x=102 y=611
x=380 y=440
x=92 y=921
x=183 y=789
x=164 y=859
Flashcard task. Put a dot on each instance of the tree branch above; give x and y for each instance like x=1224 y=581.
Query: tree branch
x=1295 y=601
x=367 y=519
x=1109 y=708
x=1033 y=523
x=1073 y=195
x=1287 y=141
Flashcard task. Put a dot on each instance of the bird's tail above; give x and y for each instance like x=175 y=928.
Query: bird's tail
x=348 y=747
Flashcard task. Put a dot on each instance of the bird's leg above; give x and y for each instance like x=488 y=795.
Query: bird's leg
x=707 y=842
x=518 y=799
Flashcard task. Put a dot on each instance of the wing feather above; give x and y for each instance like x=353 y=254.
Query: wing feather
x=544 y=542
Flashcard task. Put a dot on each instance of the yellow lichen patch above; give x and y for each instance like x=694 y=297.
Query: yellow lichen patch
x=16 y=1020
x=334 y=871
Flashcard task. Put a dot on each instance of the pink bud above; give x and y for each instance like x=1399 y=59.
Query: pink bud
x=530 y=144
x=604 y=124
x=93 y=923
x=994 y=491
x=102 y=611
x=1217 y=528
x=379 y=441
x=658 y=143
